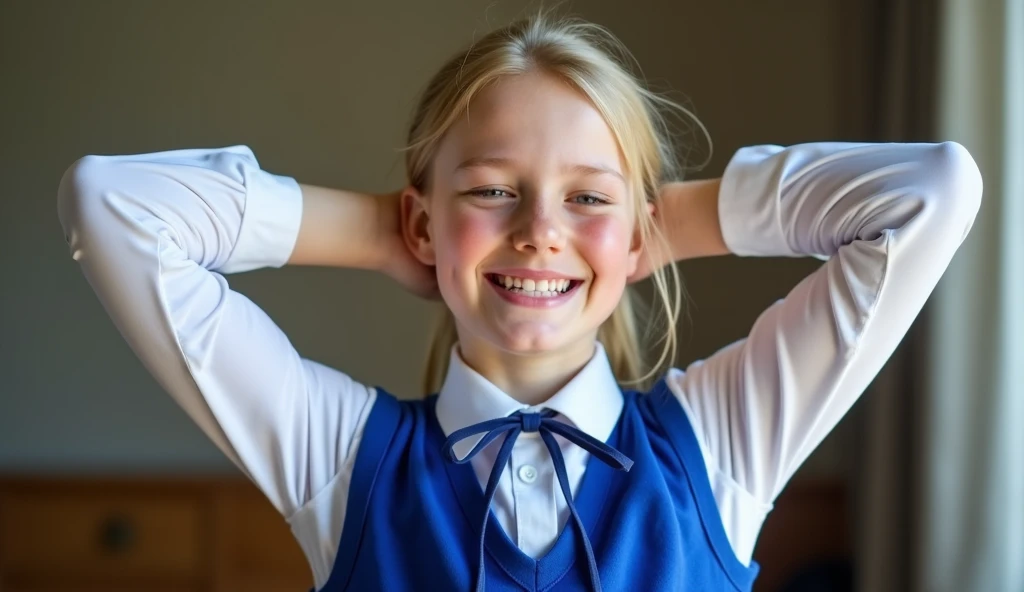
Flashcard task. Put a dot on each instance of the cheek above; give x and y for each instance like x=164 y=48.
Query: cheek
x=465 y=237
x=605 y=242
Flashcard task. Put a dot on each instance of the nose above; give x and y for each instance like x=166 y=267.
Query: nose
x=538 y=229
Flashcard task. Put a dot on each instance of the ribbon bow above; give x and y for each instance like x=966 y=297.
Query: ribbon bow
x=544 y=423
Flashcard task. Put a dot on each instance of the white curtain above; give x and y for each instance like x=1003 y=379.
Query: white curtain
x=971 y=516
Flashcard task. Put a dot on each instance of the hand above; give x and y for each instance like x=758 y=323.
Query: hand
x=656 y=254
x=687 y=215
x=395 y=258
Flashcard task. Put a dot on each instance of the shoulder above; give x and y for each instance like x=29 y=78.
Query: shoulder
x=664 y=415
x=391 y=416
x=653 y=400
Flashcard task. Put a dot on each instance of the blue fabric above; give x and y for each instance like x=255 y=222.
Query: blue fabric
x=544 y=424
x=413 y=519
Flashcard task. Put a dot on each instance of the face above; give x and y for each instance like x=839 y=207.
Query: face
x=528 y=219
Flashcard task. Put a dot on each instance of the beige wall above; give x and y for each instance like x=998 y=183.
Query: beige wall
x=322 y=91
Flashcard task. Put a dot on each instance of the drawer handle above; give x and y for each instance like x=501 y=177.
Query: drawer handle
x=117 y=534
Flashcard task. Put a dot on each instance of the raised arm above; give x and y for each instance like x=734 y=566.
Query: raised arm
x=154 y=234
x=888 y=219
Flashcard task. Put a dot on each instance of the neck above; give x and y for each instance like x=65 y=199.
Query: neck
x=530 y=378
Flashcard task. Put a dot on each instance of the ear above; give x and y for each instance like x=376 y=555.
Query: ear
x=636 y=246
x=416 y=228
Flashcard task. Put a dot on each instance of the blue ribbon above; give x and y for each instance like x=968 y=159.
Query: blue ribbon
x=544 y=423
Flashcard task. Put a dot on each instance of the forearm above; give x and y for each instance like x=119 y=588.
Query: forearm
x=339 y=228
x=689 y=215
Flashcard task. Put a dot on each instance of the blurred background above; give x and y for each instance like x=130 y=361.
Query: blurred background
x=106 y=485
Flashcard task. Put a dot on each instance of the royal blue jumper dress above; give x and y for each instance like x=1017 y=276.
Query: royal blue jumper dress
x=415 y=518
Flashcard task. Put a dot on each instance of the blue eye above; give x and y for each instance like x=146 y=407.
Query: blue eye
x=589 y=200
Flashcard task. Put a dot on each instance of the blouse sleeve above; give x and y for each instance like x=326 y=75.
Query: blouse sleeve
x=886 y=219
x=154 y=235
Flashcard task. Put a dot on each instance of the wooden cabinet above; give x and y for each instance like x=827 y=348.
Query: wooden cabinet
x=159 y=535
x=222 y=535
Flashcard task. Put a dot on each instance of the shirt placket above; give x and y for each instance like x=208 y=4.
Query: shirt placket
x=532 y=478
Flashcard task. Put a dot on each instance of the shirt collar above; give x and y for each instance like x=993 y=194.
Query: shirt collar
x=591 y=401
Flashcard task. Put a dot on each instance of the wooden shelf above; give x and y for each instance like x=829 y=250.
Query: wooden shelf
x=162 y=534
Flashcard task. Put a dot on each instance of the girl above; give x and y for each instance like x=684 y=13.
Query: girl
x=536 y=168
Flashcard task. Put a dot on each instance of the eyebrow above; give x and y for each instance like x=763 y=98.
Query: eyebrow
x=499 y=162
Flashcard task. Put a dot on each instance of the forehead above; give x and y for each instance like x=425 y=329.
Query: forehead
x=535 y=119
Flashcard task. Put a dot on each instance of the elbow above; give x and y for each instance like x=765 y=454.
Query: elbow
x=76 y=184
x=958 y=182
x=80 y=189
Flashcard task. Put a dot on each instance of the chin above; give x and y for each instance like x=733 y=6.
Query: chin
x=524 y=344
x=531 y=340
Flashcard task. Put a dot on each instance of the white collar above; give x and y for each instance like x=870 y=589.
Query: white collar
x=591 y=401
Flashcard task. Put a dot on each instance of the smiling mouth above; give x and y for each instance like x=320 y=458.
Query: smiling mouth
x=534 y=288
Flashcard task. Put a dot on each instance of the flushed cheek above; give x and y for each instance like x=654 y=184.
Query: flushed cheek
x=604 y=243
x=465 y=240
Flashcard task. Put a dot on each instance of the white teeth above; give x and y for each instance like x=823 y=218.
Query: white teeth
x=535 y=288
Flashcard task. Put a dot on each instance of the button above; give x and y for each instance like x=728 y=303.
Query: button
x=527 y=473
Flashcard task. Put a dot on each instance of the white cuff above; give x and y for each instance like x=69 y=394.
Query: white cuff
x=270 y=223
x=748 y=203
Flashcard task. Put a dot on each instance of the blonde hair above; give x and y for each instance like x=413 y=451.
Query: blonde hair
x=592 y=60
